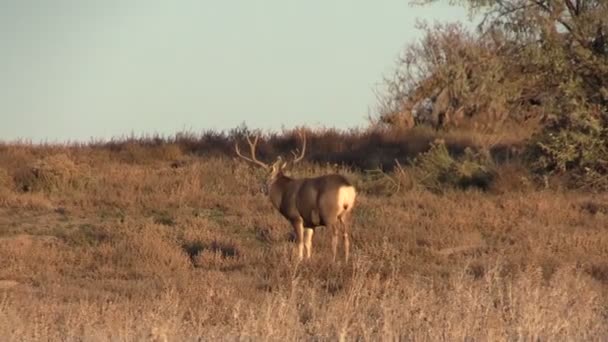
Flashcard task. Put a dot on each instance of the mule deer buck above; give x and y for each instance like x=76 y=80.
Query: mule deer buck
x=308 y=202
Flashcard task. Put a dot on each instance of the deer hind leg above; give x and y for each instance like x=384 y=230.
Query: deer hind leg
x=343 y=223
x=308 y=233
x=298 y=226
x=346 y=242
x=334 y=241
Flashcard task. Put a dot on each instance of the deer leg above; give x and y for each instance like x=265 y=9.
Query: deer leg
x=346 y=245
x=345 y=236
x=308 y=233
x=299 y=228
x=334 y=241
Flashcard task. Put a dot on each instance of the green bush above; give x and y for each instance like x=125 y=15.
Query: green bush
x=576 y=146
x=437 y=170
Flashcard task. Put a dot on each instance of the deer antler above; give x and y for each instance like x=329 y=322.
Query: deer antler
x=301 y=156
x=252 y=146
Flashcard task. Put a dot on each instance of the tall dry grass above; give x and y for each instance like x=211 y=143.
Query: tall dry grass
x=156 y=242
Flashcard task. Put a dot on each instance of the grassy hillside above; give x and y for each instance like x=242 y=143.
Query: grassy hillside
x=172 y=240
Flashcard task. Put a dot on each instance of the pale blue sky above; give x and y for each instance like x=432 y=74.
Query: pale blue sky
x=81 y=69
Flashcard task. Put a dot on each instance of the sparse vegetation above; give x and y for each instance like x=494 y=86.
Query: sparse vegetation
x=152 y=250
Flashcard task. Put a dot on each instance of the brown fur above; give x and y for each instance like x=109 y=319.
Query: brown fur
x=311 y=202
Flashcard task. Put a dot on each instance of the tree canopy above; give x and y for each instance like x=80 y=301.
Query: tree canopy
x=537 y=64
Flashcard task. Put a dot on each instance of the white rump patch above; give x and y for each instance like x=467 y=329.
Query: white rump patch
x=346 y=199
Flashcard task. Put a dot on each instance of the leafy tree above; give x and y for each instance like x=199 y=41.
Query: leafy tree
x=538 y=63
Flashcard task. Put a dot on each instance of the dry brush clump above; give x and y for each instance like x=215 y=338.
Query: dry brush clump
x=51 y=173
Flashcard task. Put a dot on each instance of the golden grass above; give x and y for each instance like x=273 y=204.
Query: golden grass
x=114 y=245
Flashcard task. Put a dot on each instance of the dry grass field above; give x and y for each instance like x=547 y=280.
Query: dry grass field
x=125 y=244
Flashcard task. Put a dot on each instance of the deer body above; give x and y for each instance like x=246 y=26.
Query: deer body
x=315 y=201
x=310 y=202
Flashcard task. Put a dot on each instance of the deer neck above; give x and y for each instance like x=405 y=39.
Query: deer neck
x=276 y=188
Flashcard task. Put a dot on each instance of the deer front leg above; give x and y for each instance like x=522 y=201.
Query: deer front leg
x=298 y=226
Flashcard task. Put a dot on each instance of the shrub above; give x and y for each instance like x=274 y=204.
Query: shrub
x=51 y=173
x=575 y=146
x=451 y=78
x=436 y=169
